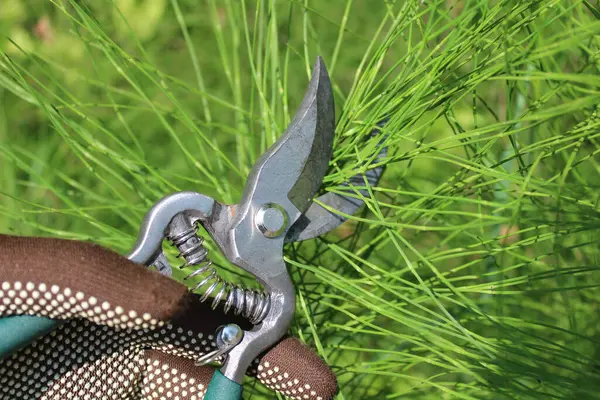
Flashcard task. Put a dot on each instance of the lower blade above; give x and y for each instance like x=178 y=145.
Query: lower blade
x=318 y=220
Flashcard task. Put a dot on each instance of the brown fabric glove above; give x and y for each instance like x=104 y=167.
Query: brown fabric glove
x=129 y=332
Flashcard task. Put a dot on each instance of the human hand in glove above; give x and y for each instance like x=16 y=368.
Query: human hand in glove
x=126 y=331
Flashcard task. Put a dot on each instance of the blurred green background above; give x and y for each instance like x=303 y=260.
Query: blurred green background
x=472 y=271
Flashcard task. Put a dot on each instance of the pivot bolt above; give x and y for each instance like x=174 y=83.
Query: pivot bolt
x=271 y=219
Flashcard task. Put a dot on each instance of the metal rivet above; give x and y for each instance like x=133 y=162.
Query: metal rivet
x=271 y=219
x=230 y=335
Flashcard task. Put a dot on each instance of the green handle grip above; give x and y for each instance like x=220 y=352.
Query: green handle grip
x=223 y=388
x=17 y=332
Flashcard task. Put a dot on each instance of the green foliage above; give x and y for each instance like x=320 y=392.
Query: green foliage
x=472 y=271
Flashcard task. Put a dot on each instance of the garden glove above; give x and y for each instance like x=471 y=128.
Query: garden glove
x=127 y=332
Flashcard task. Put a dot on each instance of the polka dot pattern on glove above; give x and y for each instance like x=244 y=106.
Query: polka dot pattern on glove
x=126 y=332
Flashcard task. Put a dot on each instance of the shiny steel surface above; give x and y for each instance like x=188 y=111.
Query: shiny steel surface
x=276 y=207
x=318 y=220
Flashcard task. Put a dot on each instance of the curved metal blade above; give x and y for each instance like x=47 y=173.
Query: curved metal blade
x=294 y=167
x=279 y=189
x=318 y=220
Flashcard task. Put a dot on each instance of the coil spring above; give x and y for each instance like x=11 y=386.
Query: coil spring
x=251 y=304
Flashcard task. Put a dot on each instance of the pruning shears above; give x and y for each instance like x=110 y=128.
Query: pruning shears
x=277 y=207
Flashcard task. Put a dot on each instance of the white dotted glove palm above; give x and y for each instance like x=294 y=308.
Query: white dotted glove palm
x=126 y=332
